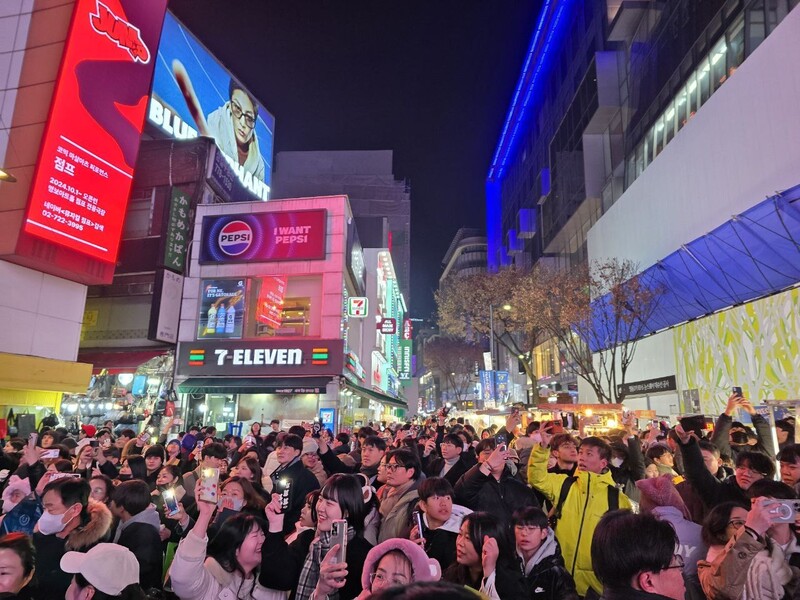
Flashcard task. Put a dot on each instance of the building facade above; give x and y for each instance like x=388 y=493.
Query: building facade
x=619 y=143
x=381 y=203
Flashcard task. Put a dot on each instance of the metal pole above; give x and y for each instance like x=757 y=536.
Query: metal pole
x=491 y=335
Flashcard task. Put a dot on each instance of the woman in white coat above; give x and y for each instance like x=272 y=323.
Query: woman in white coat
x=227 y=567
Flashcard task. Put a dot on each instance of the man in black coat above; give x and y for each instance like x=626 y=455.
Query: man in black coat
x=138 y=529
x=451 y=464
x=293 y=473
x=373 y=450
x=489 y=485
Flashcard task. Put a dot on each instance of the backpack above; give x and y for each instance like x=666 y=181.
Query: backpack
x=555 y=514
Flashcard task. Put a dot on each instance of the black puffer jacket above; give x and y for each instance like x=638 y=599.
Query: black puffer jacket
x=484 y=493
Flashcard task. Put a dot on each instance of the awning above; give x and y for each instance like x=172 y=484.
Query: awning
x=120 y=362
x=377 y=396
x=753 y=255
x=18 y=372
x=254 y=385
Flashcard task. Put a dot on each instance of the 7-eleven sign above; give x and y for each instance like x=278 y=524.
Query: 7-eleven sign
x=357 y=307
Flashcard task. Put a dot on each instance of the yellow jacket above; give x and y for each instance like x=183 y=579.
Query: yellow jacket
x=586 y=502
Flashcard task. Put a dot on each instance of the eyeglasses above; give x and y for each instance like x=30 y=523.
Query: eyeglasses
x=373 y=577
x=745 y=469
x=676 y=562
x=526 y=528
x=736 y=522
x=249 y=118
x=391 y=467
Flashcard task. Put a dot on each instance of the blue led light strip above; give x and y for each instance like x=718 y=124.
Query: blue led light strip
x=506 y=142
x=522 y=77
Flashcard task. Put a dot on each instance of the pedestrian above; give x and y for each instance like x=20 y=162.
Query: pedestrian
x=578 y=502
x=484 y=560
x=104 y=572
x=291 y=475
x=396 y=562
x=634 y=558
x=70 y=521
x=138 y=529
x=542 y=565
x=308 y=563
x=399 y=496
x=17 y=565
x=227 y=566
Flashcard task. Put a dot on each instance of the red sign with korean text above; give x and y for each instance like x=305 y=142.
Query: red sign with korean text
x=270 y=301
x=88 y=153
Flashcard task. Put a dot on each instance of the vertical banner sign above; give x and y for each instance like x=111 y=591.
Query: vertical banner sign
x=269 y=310
x=404 y=370
x=222 y=309
x=177 y=238
x=85 y=169
x=501 y=385
x=487 y=389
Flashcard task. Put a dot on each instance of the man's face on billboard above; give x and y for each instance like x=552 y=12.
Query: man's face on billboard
x=243 y=115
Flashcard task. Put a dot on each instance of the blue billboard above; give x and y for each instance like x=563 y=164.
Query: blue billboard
x=194 y=95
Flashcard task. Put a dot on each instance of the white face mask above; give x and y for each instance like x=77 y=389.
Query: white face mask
x=50 y=524
x=616 y=462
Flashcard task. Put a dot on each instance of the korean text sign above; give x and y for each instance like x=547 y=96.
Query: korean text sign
x=263 y=237
x=193 y=94
x=88 y=153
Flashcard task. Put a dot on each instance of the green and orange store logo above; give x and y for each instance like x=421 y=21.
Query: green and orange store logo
x=319 y=356
x=197 y=358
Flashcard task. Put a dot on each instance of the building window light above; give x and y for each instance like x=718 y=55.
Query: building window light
x=705 y=69
x=715 y=59
x=680 y=101
x=670 y=114
x=692 y=86
x=659 y=126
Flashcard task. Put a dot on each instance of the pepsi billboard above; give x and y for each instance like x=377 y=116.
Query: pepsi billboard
x=264 y=237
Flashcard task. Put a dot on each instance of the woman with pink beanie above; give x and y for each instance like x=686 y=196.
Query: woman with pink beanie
x=396 y=562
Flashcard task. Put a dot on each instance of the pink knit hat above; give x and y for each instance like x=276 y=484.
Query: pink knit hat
x=660 y=491
x=424 y=568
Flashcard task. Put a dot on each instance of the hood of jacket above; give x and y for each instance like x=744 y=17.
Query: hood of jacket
x=149 y=516
x=94 y=531
x=548 y=548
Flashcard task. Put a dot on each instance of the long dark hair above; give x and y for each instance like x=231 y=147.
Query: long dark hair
x=480 y=524
x=346 y=491
x=229 y=538
x=252 y=499
x=137 y=466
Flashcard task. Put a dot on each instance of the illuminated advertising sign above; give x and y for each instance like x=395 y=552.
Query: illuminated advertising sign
x=260 y=358
x=264 y=237
x=222 y=308
x=193 y=94
x=270 y=301
x=404 y=368
x=85 y=170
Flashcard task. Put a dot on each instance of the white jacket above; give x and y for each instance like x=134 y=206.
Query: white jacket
x=195 y=577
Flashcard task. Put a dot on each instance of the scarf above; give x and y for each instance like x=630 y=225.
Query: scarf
x=392 y=497
x=309 y=575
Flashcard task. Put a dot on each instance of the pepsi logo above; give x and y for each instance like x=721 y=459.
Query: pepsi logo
x=235 y=238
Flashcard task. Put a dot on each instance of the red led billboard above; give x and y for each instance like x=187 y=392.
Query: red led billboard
x=88 y=153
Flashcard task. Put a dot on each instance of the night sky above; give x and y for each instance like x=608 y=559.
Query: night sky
x=431 y=80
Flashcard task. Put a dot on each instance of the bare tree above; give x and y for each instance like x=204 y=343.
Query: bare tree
x=597 y=313
x=463 y=310
x=455 y=359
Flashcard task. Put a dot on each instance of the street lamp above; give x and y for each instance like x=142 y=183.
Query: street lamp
x=491 y=329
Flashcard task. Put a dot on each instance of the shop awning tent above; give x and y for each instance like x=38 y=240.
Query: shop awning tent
x=753 y=255
x=374 y=395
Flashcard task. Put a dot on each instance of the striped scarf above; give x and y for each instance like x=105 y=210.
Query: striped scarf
x=309 y=575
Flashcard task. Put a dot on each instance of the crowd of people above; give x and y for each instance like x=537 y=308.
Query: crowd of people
x=433 y=509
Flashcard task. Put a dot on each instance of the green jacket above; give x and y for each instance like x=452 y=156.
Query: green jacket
x=586 y=502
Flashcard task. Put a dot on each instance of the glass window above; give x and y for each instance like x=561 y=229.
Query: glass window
x=735 y=54
x=703 y=83
x=640 y=159
x=659 y=135
x=681 y=108
x=756 y=27
x=669 y=123
x=719 y=71
x=692 y=95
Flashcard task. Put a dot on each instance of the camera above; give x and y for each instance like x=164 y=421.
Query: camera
x=783 y=511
